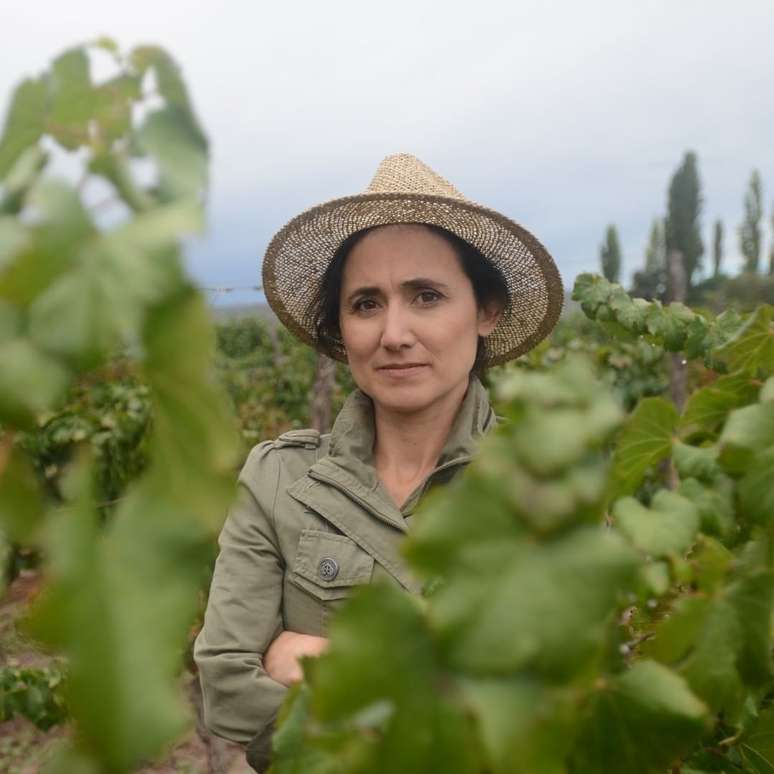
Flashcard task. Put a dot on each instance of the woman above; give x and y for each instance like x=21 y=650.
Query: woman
x=417 y=289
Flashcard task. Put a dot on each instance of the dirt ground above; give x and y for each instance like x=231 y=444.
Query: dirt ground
x=24 y=748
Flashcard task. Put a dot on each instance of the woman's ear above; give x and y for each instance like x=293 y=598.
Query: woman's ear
x=488 y=317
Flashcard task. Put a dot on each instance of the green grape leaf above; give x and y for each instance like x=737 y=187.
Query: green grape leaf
x=696 y=462
x=747 y=432
x=10 y=321
x=715 y=505
x=751 y=595
x=711 y=562
x=169 y=83
x=639 y=722
x=669 y=526
x=708 y=407
x=381 y=652
x=101 y=301
x=757 y=745
x=655 y=576
x=579 y=429
x=152 y=556
x=21 y=501
x=767 y=391
x=22 y=176
x=78 y=612
x=592 y=291
x=645 y=440
x=64 y=227
x=524 y=725
x=13 y=238
x=751 y=349
x=292 y=750
x=72 y=99
x=756 y=493
x=629 y=312
x=669 y=325
x=442 y=529
x=30 y=382
x=193 y=427
x=24 y=123
x=112 y=107
x=727 y=325
x=116 y=169
x=702 y=639
x=698 y=338
x=180 y=153
x=512 y=606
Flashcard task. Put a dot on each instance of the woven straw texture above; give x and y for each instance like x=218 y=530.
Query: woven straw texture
x=404 y=190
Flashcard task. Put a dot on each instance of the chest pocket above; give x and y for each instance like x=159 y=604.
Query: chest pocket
x=327 y=565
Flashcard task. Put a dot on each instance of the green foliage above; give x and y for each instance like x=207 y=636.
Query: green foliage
x=632 y=367
x=604 y=610
x=743 y=292
x=108 y=411
x=242 y=337
x=119 y=598
x=675 y=327
x=645 y=441
x=33 y=693
x=269 y=375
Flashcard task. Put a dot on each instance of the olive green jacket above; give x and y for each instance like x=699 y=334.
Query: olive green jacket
x=311 y=520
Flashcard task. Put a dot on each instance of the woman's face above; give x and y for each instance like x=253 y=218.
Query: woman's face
x=408 y=317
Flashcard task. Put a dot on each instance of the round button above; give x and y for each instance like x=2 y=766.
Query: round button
x=328 y=568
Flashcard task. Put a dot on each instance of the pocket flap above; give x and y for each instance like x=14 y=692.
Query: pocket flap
x=330 y=563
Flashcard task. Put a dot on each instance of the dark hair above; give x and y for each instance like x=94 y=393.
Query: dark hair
x=489 y=287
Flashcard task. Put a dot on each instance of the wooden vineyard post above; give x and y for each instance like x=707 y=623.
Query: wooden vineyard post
x=322 y=394
x=676 y=290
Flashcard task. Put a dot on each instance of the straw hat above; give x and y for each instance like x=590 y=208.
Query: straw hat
x=404 y=190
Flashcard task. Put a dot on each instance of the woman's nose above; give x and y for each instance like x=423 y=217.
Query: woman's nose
x=397 y=331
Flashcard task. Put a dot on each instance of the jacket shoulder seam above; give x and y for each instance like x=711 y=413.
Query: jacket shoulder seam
x=309 y=438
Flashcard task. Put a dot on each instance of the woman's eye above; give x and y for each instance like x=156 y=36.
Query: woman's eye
x=364 y=305
x=428 y=296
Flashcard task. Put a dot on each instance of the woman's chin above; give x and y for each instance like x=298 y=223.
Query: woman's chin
x=404 y=399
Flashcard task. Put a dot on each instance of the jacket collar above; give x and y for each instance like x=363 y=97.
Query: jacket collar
x=350 y=458
x=346 y=474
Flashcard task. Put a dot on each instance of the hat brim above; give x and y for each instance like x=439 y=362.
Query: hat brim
x=300 y=252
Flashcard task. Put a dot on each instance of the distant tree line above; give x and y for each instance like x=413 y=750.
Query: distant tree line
x=680 y=230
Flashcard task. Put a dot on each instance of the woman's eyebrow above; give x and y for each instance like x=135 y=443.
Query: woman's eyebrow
x=415 y=283
x=423 y=282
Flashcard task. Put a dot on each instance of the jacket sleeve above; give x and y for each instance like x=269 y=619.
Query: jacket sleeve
x=243 y=612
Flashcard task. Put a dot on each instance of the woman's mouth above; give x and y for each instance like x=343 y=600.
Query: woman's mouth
x=403 y=370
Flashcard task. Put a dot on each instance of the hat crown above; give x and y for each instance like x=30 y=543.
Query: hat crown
x=404 y=173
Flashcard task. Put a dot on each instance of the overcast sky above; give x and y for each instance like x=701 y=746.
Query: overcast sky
x=566 y=116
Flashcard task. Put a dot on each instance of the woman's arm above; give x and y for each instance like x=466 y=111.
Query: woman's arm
x=244 y=613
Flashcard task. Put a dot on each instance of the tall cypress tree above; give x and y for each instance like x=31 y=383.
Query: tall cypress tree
x=750 y=229
x=717 y=248
x=610 y=255
x=650 y=283
x=683 y=227
x=655 y=252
